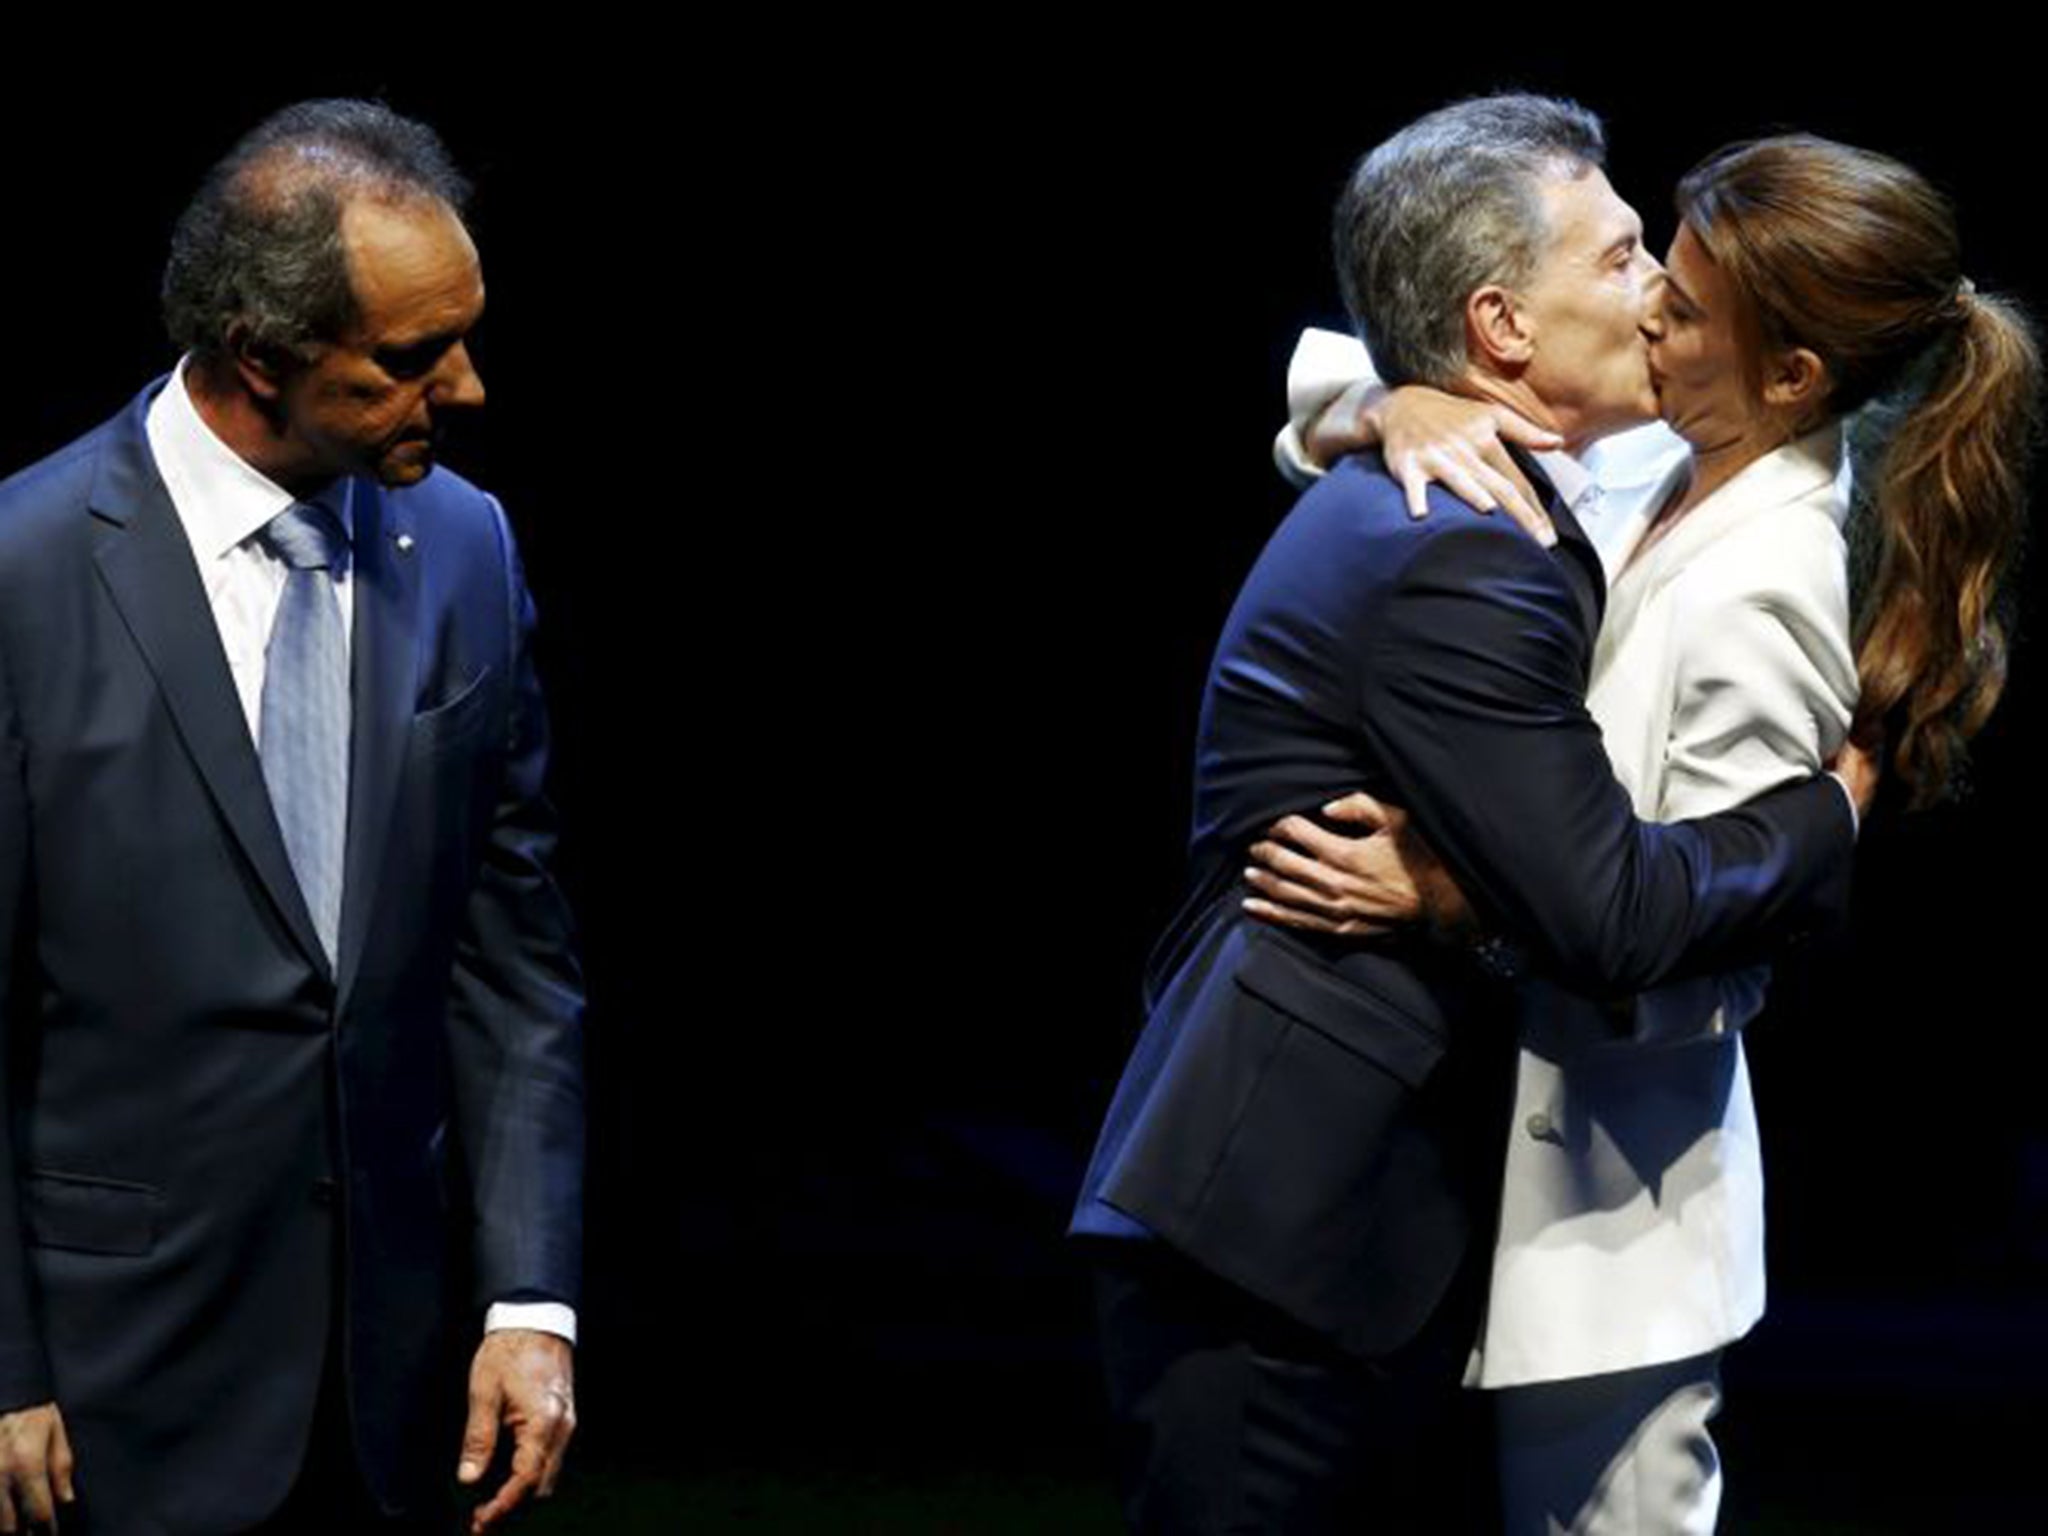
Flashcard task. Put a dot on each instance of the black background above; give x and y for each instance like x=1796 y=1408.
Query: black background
x=886 y=425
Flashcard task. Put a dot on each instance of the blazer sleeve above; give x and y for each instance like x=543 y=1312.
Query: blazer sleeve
x=1324 y=365
x=1764 y=686
x=1473 y=698
x=1764 y=681
x=24 y=1368
x=516 y=1014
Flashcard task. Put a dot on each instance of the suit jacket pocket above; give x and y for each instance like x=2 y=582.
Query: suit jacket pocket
x=1329 y=1195
x=454 y=720
x=1364 y=1020
x=90 y=1215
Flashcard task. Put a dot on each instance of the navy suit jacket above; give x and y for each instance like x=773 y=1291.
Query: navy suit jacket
x=1320 y=1122
x=203 y=1121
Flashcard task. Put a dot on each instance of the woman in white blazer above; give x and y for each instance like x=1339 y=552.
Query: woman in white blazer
x=1808 y=281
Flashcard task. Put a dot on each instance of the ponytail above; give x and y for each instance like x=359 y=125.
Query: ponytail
x=1940 y=527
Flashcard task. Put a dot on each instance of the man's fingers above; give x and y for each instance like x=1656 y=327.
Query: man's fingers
x=479 y=1434
x=62 y=1463
x=560 y=1429
x=8 y=1523
x=557 y=1453
x=525 y=1477
x=37 y=1506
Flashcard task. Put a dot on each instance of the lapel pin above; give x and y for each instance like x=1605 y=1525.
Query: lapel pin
x=405 y=543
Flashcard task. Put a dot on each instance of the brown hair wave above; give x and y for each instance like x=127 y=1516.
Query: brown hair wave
x=1855 y=257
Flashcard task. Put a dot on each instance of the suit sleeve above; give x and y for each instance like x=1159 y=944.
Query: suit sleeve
x=24 y=1369
x=516 y=1015
x=1474 y=699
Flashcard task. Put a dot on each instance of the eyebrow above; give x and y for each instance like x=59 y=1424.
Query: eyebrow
x=443 y=338
x=1682 y=291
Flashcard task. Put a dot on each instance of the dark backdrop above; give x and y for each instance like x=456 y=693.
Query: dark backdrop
x=885 y=422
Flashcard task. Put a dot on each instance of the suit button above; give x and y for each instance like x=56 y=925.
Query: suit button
x=324 y=1193
x=1541 y=1127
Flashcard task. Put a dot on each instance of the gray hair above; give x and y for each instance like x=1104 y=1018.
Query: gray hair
x=1446 y=206
x=259 y=246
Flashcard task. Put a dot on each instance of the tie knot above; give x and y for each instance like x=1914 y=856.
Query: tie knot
x=307 y=537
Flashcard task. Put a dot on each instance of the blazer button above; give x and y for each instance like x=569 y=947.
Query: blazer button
x=1541 y=1127
x=324 y=1193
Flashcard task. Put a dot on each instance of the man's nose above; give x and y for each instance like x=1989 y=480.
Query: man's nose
x=456 y=382
x=1653 y=303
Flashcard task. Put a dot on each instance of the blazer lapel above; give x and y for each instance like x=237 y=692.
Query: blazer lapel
x=1806 y=467
x=384 y=648
x=147 y=564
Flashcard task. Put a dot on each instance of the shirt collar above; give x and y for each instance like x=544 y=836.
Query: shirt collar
x=1568 y=477
x=221 y=498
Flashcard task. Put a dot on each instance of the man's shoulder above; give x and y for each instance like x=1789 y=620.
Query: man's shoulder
x=447 y=487
x=1349 y=561
x=51 y=494
x=1359 y=502
x=449 y=508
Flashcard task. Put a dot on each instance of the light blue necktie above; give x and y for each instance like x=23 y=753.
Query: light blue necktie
x=305 y=721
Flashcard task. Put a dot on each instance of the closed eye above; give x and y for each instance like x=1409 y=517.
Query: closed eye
x=415 y=360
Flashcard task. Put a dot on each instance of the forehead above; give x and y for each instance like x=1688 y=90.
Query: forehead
x=412 y=267
x=1587 y=216
x=1691 y=265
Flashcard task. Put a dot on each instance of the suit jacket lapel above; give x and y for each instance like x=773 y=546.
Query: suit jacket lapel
x=384 y=651
x=1575 y=552
x=147 y=564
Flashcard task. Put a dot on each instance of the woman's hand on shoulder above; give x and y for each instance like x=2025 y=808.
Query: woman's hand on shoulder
x=1462 y=445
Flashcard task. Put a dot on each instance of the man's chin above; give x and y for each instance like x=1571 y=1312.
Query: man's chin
x=404 y=468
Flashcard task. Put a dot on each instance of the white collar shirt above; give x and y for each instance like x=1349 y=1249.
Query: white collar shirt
x=223 y=504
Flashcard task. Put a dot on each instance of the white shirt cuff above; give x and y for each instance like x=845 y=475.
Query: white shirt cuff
x=541 y=1316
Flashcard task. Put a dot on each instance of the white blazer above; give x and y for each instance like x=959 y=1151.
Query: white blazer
x=1631 y=1228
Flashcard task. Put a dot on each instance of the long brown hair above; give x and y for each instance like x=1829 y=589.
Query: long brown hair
x=1855 y=257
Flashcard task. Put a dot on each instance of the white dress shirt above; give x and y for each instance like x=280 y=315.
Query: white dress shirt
x=224 y=504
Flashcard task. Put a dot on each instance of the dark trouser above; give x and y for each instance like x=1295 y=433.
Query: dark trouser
x=1232 y=1417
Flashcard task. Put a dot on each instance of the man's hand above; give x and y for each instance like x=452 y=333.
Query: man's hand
x=526 y=1379
x=35 y=1467
x=1428 y=435
x=1353 y=887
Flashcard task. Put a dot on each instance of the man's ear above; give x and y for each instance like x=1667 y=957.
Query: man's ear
x=1497 y=330
x=1796 y=380
x=261 y=367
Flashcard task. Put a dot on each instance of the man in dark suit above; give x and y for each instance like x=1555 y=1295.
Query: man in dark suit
x=1302 y=1159
x=293 y=1014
